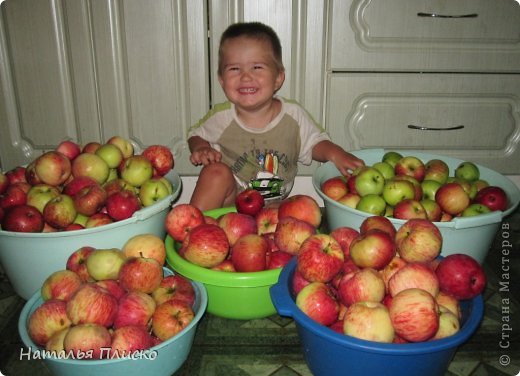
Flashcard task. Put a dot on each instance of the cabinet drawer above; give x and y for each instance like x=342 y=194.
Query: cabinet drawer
x=374 y=110
x=425 y=35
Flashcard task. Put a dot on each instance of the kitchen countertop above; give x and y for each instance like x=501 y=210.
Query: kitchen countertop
x=270 y=346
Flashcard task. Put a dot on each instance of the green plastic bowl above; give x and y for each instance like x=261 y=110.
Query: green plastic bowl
x=241 y=296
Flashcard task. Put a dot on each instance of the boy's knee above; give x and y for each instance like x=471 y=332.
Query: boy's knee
x=218 y=171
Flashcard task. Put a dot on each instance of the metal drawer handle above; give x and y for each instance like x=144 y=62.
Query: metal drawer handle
x=436 y=15
x=421 y=128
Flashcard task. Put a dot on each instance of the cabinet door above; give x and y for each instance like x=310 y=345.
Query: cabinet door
x=477 y=114
x=425 y=35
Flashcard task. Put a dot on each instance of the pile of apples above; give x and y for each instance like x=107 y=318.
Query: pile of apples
x=112 y=303
x=72 y=188
x=385 y=285
x=256 y=237
x=406 y=187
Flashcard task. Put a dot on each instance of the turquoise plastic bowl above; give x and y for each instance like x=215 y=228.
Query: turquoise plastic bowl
x=164 y=359
x=328 y=353
x=29 y=258
x=470 y=235
x=240 y=296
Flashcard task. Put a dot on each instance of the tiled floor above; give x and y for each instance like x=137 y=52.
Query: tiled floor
x=270 y=346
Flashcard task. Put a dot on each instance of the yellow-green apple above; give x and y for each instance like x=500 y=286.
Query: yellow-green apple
x=249 y=253
x=372 y=249
x=494 y=197
x=452 y=198
x=4 y=182
x=91 y=165
x=146 y=245
x=134 y=308
x=291 y=233
x=301 y=207
x=49 y=318
x=298 y=282
x=55 y=343
x=14 y=195
x=206 y=245
x=334 y=187
x=317 y=301
x=105 y=263
x=267 y=220
x=320 y=258
x=350 y=199
x=249 y=201
x=369 y=321
x=16 y=175
x=90 y=147
x=92 y=304
x=153 y=191
x=437 y=170
x=181 y=219
x=449 y=302
x=468 y=187
x=414 y=315
x=409 y=209
x=69 y=148
x=236 y=225
x=77 y=183
x=112 y=286
x=123 y=144
x=344 y=236
x=432 y=209
x=377 y=222
x=40 y=194
x=372 y=203
x=52 y=168
x=98 y=219
x=122 y=205
x=77 y=262
x=130 y=339
x=369 y=181
x=61 y=284
x=60 y=211
x=136 y=170
x=170 y=318
x=411 y=166
x=167 y=183
x=140 y=274
x=414 y=275
x=362 y=285
x=90 y=199
x=429 y=188
x=161 y=158
x=395 y=191
x=385 y=169
x=480 y=183
x=174 y=287
x=468 y=171
x=461 y=276
x=391 y=268
x=475 y=209
x=416 y=184
x=418 y=240
x=22 y=218
x=278 y=259
x=87 y=341
x=391 y=157
x=449 y=324
x=111 y=154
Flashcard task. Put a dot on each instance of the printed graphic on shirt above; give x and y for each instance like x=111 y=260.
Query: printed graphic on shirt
x=267 y=182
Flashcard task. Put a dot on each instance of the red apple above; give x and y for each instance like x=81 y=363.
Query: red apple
x=131 y=339
x=391 y=268
x=77 y=183
x=90 y=147
x=134 y=308
x=436 y=170
x=52 y=168
x=351 y=185
x=161 y=158
x=249 y=253
x=411 y=166
x=495 y=198
x=146 y=245
x=414 y=275
x=68 y=148
x=224 y=266
x=298 y=282
x=369 y=321
x=118 y=185
x=291 y=233
x=174 y=287
x=206 y=245
x=122 y=205
x=335 y=187
x=317 y=301
x=181 y=219
x=60 y=211
x=140 y=274
x=76 y=262
x=87 y=341
x=98 y=219
x=277 y=259
x=170 y=318
x=267 y=220
x=461 y=276
x=16 y=175
x=249 y=201
x=60 y=285
x=112 y=286
x=362 y=285
x=92 y=304
x=22 y=218
x=236 y=225
x=301 y=207
x=373 y=249
x=90 y=199
x=344 y=236
x=452 y=198
x=15 y=194
x=320 y=258
x=418 y=240
x=377 y=222
x=408 y=209
x=49 y=318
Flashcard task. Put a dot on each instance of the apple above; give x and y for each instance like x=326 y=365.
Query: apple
x=467 y=171
x=60 y=285
x=112 y=286
x=52 y=168
x=301 y=207
x=344 y=236
x=224 y=266
x=47 y=319
x=369 y=181
x=408 y=209
x=249 y=253
x=68 y=148
x=297 y=282
x=130 y=339
x=479 y=184
x=146 y=245
x=369 y=321
x=494 y=197
x=22 y=218
x=452 y=198
x=414 y=275
x=414 y=315
x=16 y=175
x=391 y=268
x=291 y=232
x=278 y=259
x=161 y=157
x=475 y=209
x=105 y=263
x=90 y=199
x=134 y=308
x=76 y=262
x=436 y=170
x=87 y=341
x=14 y=195
x=350 y=199
x=395 y=191
x=91 y=165
x=118 y=185
x=60 y=211
x=449 y=302
x=429 y=188
x=373 y=249
x=362 y=285
x=4 y=182
x=174 y=287
x=170 y=318
x=416 y=184
x=432 y=209
x=391 y=157
x=449 y=324
x=92 y=304
x=236 y=225
x=77 y=183
x=122 y=205
x=140 y=274
x=351 y=184
x=418 y=240
x=98 y=219
x=320 y=258
x=181 y=219
x=377 y=222
x=153 y=191
x=40 y=194
x=411 y=166
x=55 y=343
x=136 y=170
x=372 y=203
x=206 y=245
x=123 y=144
x=249 y=201
x=334 y=187
x=385 y=168
x=111 y=154
x=90 y=147
x=317 y=301
x=267 y=220
x=461 y=276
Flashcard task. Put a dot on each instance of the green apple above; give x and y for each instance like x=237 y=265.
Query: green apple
x=40 y=194
x=429 y=188
x=372 y=203
x=136 y=170
x=369 y=181
x=91 y=165
x=433 y=210
x=168 y=184
x=385 y=169
x=437 y=170
x=105 y=263
x=111 y=154
x=152 y=191
x=468 y=171
x=475 y=209
x=395 y=191
x=391 y=157
x=123 y=144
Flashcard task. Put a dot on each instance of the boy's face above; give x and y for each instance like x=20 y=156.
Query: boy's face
x=250 y=75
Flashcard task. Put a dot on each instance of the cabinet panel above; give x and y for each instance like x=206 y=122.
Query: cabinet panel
x=371 y=110
x=425 y=35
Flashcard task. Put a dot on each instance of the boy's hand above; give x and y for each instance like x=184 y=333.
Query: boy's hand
x=205 y=156
x=345 y=162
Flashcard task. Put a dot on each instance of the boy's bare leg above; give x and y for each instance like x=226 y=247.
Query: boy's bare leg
x=215 y=187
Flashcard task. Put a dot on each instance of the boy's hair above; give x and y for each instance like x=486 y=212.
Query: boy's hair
x=255 y=30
